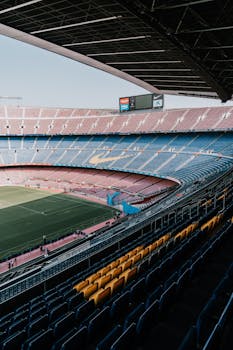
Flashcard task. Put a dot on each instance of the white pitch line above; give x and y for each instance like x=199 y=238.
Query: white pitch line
x=82 y=203
x=32 y=210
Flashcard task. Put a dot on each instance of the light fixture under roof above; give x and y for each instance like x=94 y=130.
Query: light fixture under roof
x=76 y=24
x=182 y=87
x=177 y=81
x=108 y=40
x=124 y=53
x=144 y=62
x=156 y=70
x=167 y=76
x=16 y=7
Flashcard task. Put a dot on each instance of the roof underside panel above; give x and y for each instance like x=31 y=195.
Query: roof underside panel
x=182 y=47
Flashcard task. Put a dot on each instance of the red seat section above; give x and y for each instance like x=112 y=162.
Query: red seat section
x=88 y=182
x=66 y=121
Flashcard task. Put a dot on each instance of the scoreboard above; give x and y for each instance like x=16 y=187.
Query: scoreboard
x=148 y=101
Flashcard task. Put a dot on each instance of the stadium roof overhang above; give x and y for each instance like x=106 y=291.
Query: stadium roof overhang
x=180 y=47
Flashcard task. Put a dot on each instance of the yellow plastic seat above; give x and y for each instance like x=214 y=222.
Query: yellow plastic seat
x=135 y=251
x=125 y=275
x=95 y=295
x=93 y=277
x=101 y=296
x=127 y=265
x=114 y=264
x=123 y=259
x=81 y=285
x=159 y=242
x=118 y=285
x=105 y=270
x=116 y=272
x=137 y=258
x=103 y=280
x=146 y=252
x=154 y=245
x=111 y=284
x=132 y=273
x=89 y=290
x=166 y=237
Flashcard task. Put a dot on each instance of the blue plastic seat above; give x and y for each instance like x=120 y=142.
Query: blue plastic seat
x=126 y=340
x=167 y=297
x=5 y=325
x=40 y=323
x=151 y=314
x=37 y=305
x=68 y=292
x=62 y=339
x=143 y=266
x=14 y=341
x=54 y=302
x=74 y=300
x=29 y=339
x=121 y=305
x=153 y=278
x=173 y=278
x=154 y=258
x=6 y=317
x=58 y=311
x=110 y=338
x=84 y=310
x=3 y=336
x=63 y=325
x=43 y=341
x=77 y=341
x=99 y=324
x=196 y=265
x=182 y=280
x=137 y=291
x=22 y=308
x=154 y=295
x=134 y=315
x=17 y=326
x=20 y=314
x=38 y=312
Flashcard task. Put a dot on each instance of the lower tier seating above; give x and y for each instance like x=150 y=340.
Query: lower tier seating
x=177 y=298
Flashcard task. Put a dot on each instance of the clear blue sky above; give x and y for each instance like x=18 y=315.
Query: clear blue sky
x=43 y=78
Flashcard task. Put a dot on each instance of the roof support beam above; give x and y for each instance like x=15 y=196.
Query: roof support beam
x=204 y=30
x=220 y=47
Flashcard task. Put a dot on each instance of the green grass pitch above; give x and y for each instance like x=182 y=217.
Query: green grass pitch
x=27 y=214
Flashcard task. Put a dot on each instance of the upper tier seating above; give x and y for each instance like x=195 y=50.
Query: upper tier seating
x=56 y=121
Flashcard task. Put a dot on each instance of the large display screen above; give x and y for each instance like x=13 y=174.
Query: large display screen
x=148 y=101
x=143 y=101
